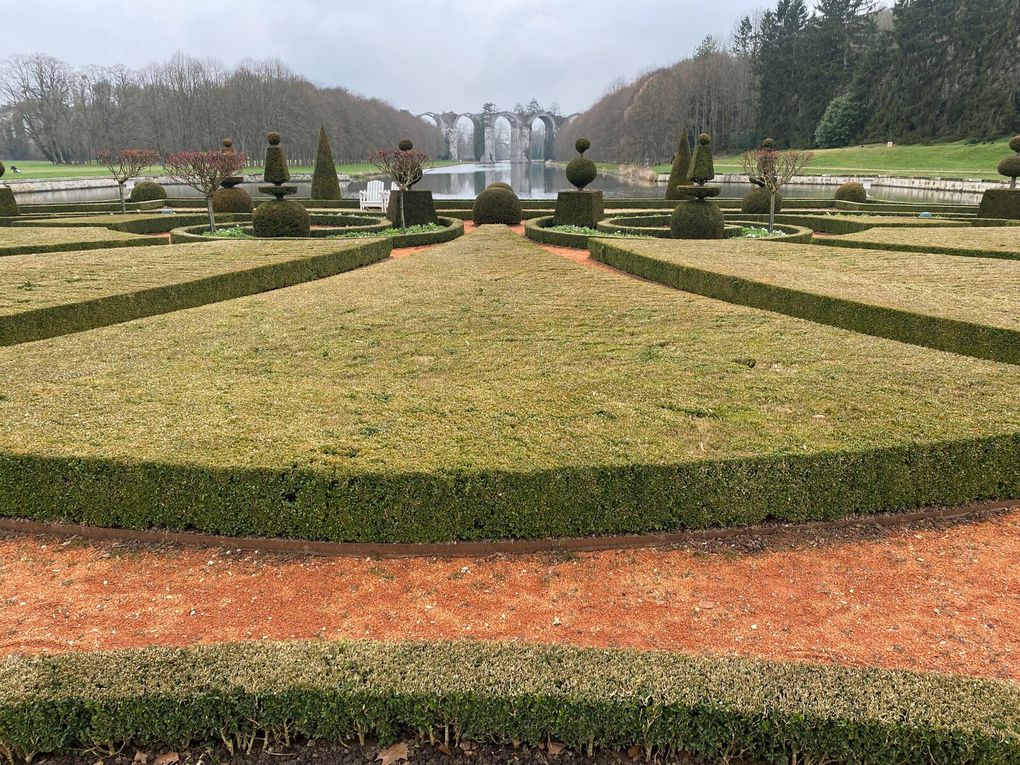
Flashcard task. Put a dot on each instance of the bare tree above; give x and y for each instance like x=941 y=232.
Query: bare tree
x=204 y=171
x=771 y=170
x=125 y=164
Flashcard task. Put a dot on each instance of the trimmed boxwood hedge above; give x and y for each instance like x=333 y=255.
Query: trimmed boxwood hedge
x=944 y=334
x=972 y=252
x=841 y=224
x=65 y=318
x=131 y=223
x=78 y=246
x=350 y=223
x=587 y=698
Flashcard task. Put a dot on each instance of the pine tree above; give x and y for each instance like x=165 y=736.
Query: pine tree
x=325 y=184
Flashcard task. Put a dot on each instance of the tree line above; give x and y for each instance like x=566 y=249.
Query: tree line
x=54 y=111
x=846 y=72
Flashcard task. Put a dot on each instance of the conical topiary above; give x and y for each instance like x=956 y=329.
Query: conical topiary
x=276 y=170
x=681 y=166
x=325 y=184
x=703 y=168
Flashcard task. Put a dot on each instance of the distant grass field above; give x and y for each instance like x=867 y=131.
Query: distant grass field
x=42 y=170
x=947 y=160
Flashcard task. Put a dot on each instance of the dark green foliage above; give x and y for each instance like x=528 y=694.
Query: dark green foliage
x=452 y=228
x=8 y=205
x=405 y=144
x=1014 y=144
x=497 y=205
x=1010 y=167
x=582 y=145
x=136 y=224
x=758 y=200
x=62 y=319
x=500 y=185
x=418 y=208
x=697 y=219
x=280 y=217
x=966 y=338
x=232 y=200
x=325 y=184
x=1000 y=203
x=778 y=712
x=579 y=208
x=840 y=123
x=147 y=191
x=276 y=170
x=3 y=169
x=852 y=192
x=581 y=171
x=702 y=166
x=681 y=167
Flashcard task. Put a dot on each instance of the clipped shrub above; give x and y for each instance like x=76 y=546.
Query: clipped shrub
x=852 y=192
x=500 y=185
x=325 y=184
x=281 y=217
x=147 y=191
x=497 y=205
x=757 y=202
x=232 y=200
x=681 y=166
x=3 y=169
x=8 y=205
x=581 y=171
x=276 y=170
x=417 y=208
x=1000 y=203
x=702 y=166
x=697 y=219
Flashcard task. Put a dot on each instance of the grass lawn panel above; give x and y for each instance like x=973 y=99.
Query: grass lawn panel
x=24 y=241
x=489 y=389
x=583 y=697
x=47 y=296
x=940 y=301
x=975 y=242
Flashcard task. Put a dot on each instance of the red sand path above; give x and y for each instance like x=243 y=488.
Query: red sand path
x=945 y=600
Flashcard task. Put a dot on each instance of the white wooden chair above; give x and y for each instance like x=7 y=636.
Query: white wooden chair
x=374 y=197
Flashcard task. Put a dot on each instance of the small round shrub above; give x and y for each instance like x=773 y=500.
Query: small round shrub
x=280 y=217
x=582 y=145
x=497 y=205
x=1010 y=167
x=852 y=192
x=500 y=185
x=405 y=144
x=757 y=202
x=1014 y=143
x=273 y=138
x=697 y=219
x=146 y=191
x=232 y=200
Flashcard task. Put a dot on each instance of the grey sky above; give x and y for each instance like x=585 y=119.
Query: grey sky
x=417 y=54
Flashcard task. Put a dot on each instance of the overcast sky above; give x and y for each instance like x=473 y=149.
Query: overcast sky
x=422 y=55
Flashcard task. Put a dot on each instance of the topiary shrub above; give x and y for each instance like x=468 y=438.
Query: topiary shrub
x=417 y=207
x=497 y=205
x=325 y=184
x=281 y=217
x=2 y=169
x=581 y=171
x=147 y=191
x=500 y=185
x=852 y=192
x=231 y=199
x=681 y=166
x=697 y=219
x=8 y=205
x=1000 y=203
x=757 y=202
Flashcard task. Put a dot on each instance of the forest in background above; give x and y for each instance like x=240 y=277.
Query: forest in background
x=846 y=72
x=53 y=111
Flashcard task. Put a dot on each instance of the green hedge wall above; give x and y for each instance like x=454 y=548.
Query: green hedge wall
x=968 y=339
x=76 y=317
x=586 y=698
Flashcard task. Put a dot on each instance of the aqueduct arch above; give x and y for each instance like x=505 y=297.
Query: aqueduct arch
x=485 y=133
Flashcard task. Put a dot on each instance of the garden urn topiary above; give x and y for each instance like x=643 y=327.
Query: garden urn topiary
x=580 y=207
x=698 y=217
x=279 y=217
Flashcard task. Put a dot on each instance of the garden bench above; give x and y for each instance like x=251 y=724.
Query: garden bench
x=374 y=197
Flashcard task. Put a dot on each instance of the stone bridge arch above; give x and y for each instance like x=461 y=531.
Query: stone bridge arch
x=484 y=126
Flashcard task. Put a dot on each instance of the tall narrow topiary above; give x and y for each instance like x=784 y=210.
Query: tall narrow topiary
x=580 y=207
x=230 y=198
x=1004 y=203
x=681 y=166
x=697 y=217
x=8 y=206
x=279 y=216
x=325 y=184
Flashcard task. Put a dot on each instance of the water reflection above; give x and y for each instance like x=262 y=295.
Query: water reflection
x=530 y=181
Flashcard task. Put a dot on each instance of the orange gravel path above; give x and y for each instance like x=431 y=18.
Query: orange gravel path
x=943 y=599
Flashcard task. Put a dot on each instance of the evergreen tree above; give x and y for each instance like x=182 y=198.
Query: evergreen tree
x=840 y=123
x=325 y=184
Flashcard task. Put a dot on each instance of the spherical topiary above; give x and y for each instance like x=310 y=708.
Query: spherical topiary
x=232 y=200
x=228 y=144
x=758 y=201
x=581 y=171
x=500 y=185
x=497 y=205
x=768 y=144
x=146 y=191
x=2 y=169
x=852 y=192
x=280 y=217
x=273 y=138
x=1014 y=143
x=697 y=219
x=405 y=144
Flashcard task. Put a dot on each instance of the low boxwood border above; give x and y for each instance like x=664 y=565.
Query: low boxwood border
x=584 y=697
x=965 y=338
x=33 y=249
x=540 y=230
x=359 y=223
x=257 y=199
x=831 y=224
x=63 y=319
x=922 y=248
x=453 y=229
x=905 y=207
x=85 y=208
x=156 y=223
x=658 y=226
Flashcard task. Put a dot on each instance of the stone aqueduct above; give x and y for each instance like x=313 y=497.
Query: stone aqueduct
x=485 y=133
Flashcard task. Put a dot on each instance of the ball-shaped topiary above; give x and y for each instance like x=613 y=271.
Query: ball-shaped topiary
x=147 y=191
x=1014 y=143
x=697 y=219
x=1010 y=167
x=581 y=171
x=497 y=205
x=232 y=200
x=280 y=217
x=852 y=192
x=500 y=185
x=2 y=169
x=405 y=144
x=758 y=202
